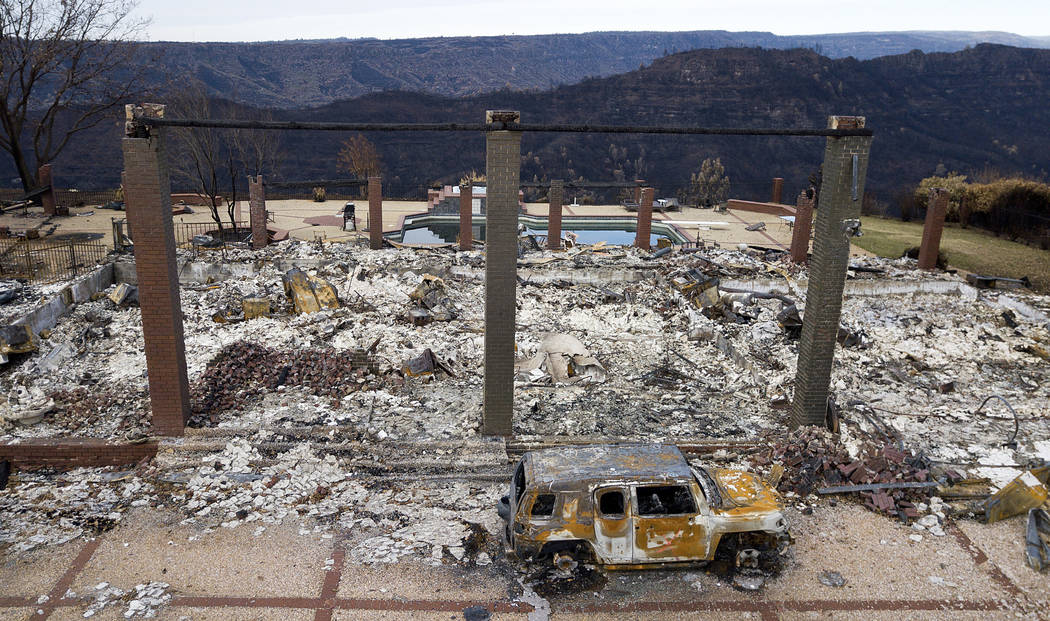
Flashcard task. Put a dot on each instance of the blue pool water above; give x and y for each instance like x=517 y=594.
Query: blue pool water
x=448 y=233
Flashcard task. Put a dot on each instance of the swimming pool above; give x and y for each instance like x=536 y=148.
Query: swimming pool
x=428 y=229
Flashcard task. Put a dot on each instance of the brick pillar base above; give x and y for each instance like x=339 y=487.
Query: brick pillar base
x=800 y=230
x=827 y=272
x=503 y=174
x=778 y=189
x=47 y=199
x=375 y=213
x=554 y=196
x=931 y=231
x=257 y=212
x=466 y=216
x=147 y=195
x=645 y=219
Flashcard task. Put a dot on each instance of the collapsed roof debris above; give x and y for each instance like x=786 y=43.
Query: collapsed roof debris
x=356 y=418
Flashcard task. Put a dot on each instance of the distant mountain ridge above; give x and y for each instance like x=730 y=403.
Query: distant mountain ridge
x=968 y=111
x=297 y=74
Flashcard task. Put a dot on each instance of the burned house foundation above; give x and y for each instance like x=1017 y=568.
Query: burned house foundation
x=350 y=395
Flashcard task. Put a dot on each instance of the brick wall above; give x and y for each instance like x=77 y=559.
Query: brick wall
x=800 y=231
x=554 y=196
x=75 y=452
x=375 y=213
x=47 y=199
x=466 y=217
x=827 y=271
x=937 y=206
x=502 y=169
x=757 y=207
x=645 y=219
x=257 y=212
x=148 y=202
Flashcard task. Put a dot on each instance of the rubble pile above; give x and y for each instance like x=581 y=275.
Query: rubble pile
x=243 y=372
x=311 y=432
x=82 y=408
x=814 y=459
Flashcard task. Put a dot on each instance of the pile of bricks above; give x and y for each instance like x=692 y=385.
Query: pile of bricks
x=82 y=408
x=813 y=458
x=243 y=372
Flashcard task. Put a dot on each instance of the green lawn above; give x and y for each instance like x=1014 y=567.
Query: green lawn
x=968 y=249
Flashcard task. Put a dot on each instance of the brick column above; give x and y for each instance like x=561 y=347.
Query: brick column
x=931 y=231
x=502 y=170
x=257 y=212
x=432 y=198
x=554 y=199
x=47 y=199
x=778 y=189
x=638 y=190
x=800 y=230
x=147 y=195
x=645 y=219
x=375 y=213
x=466 y=216
x=840 y=200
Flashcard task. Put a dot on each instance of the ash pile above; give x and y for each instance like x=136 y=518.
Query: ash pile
x=347 y=394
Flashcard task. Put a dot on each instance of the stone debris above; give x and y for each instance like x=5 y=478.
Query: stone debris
x=26 y=406
x=832 y=579
x=147 y=599
x=814 y=458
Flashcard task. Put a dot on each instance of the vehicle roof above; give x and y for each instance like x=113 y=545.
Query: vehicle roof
x=649 y=462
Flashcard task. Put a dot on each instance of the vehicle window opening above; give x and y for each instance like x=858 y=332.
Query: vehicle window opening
x=665 y=500
x=611 y=503
x=519 y=482
x=543 y=506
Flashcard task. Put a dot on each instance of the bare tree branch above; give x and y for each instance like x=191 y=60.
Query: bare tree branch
x=65 y=65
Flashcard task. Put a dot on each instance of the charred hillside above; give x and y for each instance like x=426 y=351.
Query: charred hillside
x=295 y=74
x=966 y=111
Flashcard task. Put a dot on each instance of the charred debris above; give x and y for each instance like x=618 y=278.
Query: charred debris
x=341 y=387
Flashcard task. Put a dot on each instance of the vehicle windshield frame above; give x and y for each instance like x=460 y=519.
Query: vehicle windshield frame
x=707 y=486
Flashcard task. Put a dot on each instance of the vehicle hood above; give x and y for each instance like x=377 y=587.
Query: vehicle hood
x=741 y=489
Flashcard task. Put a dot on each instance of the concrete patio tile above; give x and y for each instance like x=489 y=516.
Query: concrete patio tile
x=1003 y=543
x=226 y=562
x=849 y=539
x=36 y=572
x=416 y=580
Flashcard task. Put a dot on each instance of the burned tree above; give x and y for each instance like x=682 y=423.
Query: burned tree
x=708 y=186
x=360 y=157
x=65 y=66
x=215 y=161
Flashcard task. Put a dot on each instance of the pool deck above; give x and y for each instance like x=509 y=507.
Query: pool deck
x=307 y=220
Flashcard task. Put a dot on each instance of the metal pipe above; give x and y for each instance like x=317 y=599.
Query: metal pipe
x=1017 y=425
x=485 y=127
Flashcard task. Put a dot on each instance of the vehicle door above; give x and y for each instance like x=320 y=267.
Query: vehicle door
x=612 y=524
x=668 y=523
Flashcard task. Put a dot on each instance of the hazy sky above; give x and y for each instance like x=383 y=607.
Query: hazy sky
x=253 y=20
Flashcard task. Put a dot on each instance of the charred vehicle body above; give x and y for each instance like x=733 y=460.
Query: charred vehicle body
x=637 y=506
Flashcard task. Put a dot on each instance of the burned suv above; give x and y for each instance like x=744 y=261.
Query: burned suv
x=629 y=505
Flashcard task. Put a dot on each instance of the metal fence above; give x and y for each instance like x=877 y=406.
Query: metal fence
x=67 y=197
x=46 y=260
x=186 y=231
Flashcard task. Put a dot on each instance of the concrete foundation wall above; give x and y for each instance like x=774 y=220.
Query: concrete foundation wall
x=46 y=316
